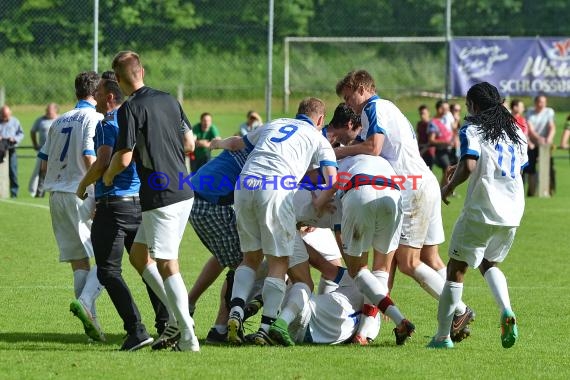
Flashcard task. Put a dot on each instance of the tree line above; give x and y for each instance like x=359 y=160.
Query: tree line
x=41 y=26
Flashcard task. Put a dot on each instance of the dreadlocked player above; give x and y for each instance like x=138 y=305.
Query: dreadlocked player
x=493 y=153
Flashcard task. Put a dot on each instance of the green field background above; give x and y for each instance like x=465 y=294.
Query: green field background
x=40 y=339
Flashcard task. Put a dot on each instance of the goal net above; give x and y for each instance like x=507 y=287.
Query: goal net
x=401 y=66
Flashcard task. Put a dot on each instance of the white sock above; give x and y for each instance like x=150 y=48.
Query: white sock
x=298 y=297
x=326 y=286
x=498 y=284
x=243 y=283
x=343 y=279
x=91 y=290
x=273 y=294
x=177 y=296
x=367 y=323
x=450 y=297
x=461 y=307
x=154 y=280
x=369 y=286
x=221 y=329
x=382 y=276
x=429 y=280
x=79 y=278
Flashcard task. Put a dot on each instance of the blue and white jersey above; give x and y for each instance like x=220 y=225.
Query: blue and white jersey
x=70 y=138
x=218 y=177
x=126 y=182
x=400 y=146
x=287 y=147
x=495 y=194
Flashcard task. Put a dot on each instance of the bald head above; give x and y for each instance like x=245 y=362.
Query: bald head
x=128 y=70
x=5 y=113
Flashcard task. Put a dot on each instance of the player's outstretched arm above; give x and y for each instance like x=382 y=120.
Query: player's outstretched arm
x=231 y=143
x=461 y=174
x=121 y=159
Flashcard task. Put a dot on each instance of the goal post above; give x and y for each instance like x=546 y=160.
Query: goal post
x=350 y=40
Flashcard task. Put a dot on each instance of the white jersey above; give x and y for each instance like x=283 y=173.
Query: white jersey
x=335 y=316
x=286 y=148
x=495 y=194
x=540 y=120
x=400 y=146
x=69 y=139
x=365 y=164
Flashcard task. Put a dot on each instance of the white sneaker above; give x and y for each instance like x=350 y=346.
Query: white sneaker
x=192 y=345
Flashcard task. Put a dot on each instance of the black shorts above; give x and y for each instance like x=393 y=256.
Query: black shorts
x=532 y=160
x=443 y=158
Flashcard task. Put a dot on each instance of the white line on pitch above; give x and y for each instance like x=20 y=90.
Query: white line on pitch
x=24 y=204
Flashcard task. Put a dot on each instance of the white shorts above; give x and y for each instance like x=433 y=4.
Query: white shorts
x=472 y=241
x=422 y=215
x=371 y=217
x=71 y=223
x=162 y=229
x=321 y=240
x=265 y=220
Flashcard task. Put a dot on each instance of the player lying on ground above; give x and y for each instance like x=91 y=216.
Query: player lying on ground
x=493 y=153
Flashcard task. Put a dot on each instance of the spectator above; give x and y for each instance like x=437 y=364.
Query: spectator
x=253 y=121
x=517 y=110
x=40 y=131
x=205 y=132
x=12 y=134
x=440 y=135
x=455 y=111
x=427 y=152
x=540 y=123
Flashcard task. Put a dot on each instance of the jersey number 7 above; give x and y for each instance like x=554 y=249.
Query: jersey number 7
x=66 y=131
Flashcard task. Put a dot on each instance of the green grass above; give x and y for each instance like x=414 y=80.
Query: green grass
x=40 y=339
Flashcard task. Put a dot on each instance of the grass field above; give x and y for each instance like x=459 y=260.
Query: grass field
x=40 y=339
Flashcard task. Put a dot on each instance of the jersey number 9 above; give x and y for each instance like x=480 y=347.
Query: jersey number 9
x=287 y=130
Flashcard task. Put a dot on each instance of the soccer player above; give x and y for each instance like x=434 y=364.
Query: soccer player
x=153 y=125
x=214 y=220
x=67 y=154
x=285 y=148
x=387 y=132
x=493 y=152
x=117 y=216
x=371 y=216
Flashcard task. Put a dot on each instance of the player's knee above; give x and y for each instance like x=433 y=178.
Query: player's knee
x=107 y=275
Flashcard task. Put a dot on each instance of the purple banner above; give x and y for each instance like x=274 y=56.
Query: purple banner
x=517 y=66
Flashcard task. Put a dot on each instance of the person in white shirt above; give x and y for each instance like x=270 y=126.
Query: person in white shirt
x=541 y=126
x=283 y=151
x=493 y=153
x=386 y=132
x=67 y=154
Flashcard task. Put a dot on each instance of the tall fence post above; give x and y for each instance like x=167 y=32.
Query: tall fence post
x=2 y=95
x=96 y=35
x=4 y=178
x=269 y=87
x=544 y=170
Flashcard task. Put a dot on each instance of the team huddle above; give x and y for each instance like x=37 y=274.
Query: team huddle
x=292 y=194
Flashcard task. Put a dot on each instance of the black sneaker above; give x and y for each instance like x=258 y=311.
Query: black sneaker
x=252 y=308
x=235 y=329
x=404 y=331
x=136 y=341
x=460 y=326
x=214 y=337
x=261 y=338
x=167 y=339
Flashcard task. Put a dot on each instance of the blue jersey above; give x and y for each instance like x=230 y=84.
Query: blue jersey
x=218 y=177
x=125 y=183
